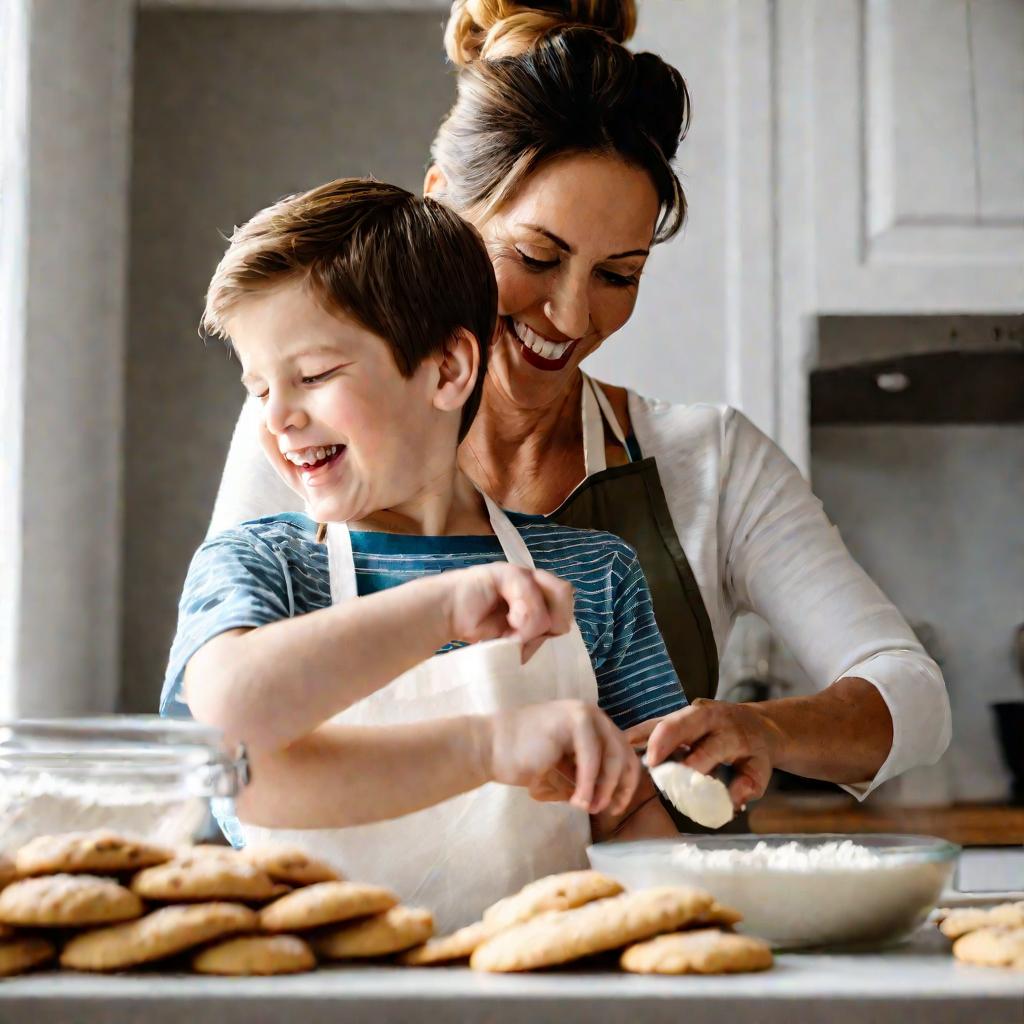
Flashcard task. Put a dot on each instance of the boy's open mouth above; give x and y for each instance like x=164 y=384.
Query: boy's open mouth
x=311 y=462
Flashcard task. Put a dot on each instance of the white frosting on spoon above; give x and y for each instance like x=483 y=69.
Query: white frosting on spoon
x=702 y=798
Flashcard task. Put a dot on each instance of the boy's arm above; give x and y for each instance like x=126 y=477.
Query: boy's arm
x=644 y=818
x=251 y=667
x=344 y=775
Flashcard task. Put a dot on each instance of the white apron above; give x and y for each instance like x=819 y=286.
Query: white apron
x=462 y=855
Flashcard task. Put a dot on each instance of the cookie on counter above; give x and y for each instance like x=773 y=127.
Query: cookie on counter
x=8 y=872
x=392 y=932
x=703 y=951
x=67 y=901
x=19 y=955
x=290 y=864
x=204 y=877
x=446 y=949
x=98 y=851
x=992 y=947
x=161 y=934
x=555 y=892
x=325 y=903
x=955 y=923
x=256 y=954
x=562 y=936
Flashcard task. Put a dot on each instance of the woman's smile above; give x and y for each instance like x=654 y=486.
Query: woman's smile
x=539 y=350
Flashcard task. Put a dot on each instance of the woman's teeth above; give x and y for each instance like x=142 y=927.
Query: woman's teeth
x=535 y=343
x=311 y=456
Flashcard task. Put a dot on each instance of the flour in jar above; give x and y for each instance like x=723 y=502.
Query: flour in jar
x=797 y=894
x=45 y=804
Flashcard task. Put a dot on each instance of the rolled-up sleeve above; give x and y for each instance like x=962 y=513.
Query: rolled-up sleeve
x=786 y=562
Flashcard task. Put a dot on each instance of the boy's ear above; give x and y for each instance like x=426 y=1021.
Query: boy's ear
x=458 y=367
x=435 y=184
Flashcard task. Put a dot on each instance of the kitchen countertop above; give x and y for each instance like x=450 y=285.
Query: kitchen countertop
x=916 y=983
x=966 y=824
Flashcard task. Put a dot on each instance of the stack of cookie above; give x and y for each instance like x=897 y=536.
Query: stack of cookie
x=108 y=902
x=569 y=917
x=992 y=937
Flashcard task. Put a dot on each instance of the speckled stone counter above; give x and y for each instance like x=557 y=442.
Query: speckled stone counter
x=917 y=983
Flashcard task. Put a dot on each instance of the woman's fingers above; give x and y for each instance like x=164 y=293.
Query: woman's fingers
x=683 y=728
x=752 y=775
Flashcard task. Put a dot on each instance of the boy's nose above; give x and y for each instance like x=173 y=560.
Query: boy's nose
x=281 y=414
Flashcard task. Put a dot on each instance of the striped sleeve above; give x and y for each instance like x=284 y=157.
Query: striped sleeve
x=236 y=581
x=636 y=679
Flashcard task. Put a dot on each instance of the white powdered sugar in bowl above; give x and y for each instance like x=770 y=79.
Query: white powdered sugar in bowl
x=799 y=891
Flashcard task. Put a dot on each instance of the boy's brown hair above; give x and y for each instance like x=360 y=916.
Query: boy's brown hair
x=404 y=267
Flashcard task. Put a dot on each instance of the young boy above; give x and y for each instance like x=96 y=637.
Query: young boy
x=361 y=316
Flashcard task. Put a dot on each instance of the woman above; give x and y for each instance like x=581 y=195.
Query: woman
x=559 y=150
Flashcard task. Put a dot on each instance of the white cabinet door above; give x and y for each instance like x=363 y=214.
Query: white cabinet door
x=918 y=137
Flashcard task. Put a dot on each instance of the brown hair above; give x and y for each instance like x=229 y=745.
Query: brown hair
x=406 y=268
x=534 y=84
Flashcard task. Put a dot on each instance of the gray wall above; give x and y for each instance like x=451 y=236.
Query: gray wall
x=231 y=112
x=934 y=514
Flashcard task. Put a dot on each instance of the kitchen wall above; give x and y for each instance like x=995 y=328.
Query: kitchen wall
x=934 y=514
x=232 y=111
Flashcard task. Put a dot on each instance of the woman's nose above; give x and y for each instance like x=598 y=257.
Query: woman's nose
x=568 y=308
x=281 y=412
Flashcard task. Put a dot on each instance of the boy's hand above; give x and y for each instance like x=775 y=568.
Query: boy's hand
x=500 y=600
x=564 y=750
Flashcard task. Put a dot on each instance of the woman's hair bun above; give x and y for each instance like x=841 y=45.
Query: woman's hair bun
x=482 y=29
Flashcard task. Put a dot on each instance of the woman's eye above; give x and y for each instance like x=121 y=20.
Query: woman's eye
x=535 y=264
x=619 y=280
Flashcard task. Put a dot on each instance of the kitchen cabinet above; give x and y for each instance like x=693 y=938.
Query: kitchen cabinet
x=918 y=131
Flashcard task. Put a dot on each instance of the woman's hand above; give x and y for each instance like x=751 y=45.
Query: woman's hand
x=715 y=732
x=564 y=750
x=499 y=600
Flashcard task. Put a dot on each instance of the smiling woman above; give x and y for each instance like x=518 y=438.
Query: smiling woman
x=559 y=150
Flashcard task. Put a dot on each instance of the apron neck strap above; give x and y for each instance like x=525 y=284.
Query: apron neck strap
x=341 y=562
x=596 y=409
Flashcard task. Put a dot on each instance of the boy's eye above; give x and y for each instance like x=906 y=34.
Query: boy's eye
x=316 y=378
x=535 y=264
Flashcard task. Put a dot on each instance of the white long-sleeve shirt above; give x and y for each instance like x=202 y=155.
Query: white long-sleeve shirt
x=757 y=540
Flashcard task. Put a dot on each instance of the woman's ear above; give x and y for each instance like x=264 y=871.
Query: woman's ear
x=435 y=184
x=458 y=367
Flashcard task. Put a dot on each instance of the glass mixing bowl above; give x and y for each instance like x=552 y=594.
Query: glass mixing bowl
x=799 y=891
x=141 y=774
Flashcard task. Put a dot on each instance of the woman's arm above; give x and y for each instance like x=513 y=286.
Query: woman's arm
x=882 y=705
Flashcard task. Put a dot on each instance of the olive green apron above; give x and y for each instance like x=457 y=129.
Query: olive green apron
x=629 y=501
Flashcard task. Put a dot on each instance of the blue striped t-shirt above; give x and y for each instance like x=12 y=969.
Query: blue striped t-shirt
x=273 y=568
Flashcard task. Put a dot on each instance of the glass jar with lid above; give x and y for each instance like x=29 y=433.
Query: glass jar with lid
x=147 y=776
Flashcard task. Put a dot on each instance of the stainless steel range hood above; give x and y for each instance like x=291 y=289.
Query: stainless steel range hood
x=918 y=369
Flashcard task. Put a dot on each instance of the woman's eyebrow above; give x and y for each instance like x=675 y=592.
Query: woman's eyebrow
x=566 y=247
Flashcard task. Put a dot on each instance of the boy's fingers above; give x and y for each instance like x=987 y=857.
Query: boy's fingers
x=612 y=766
x=627 y=784
x=559 y=598
x=587 y=752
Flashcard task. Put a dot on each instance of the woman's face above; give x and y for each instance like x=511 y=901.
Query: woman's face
x=568 y=251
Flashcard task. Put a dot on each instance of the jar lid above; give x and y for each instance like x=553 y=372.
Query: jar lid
x=144 y=749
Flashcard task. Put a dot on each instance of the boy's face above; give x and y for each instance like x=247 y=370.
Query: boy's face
x=341 y=425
